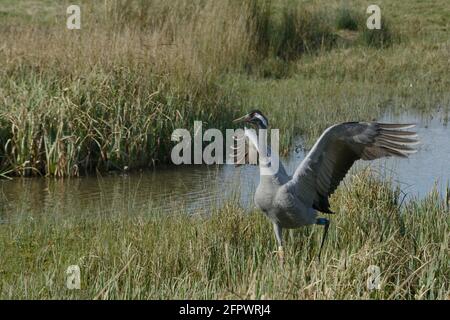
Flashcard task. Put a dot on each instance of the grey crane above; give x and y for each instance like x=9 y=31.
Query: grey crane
x=294 y=201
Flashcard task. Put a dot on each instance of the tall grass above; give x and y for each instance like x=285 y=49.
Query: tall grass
x=291 y=30
x=347 y=18
x=109 y=95
x=229 y=254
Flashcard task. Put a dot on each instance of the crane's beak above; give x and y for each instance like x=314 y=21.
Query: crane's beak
x=245 y=118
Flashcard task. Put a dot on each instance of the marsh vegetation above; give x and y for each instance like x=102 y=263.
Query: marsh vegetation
x=229 y=253
x=108 y=96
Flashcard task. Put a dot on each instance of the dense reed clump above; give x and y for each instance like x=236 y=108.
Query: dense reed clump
x=347 y=18
x=291 y=31
x=109 y=95
x=378 y=38
x=144 y=255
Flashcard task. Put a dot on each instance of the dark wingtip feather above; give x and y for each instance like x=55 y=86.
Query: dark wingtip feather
x=392 y=138
x=384 y=142
x=401 y=139
x=324 y=209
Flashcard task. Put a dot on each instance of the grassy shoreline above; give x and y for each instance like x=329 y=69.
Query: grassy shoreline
x=109 y=95
x=229 y=254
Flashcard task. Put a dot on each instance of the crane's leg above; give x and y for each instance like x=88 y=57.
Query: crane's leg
x=325 y=223
x=278 y=235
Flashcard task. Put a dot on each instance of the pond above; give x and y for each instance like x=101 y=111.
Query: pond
x=199 y=188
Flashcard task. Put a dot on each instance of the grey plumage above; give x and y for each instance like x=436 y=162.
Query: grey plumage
x=292 y=202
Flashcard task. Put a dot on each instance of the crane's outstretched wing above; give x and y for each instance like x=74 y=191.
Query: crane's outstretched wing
x=320 y=173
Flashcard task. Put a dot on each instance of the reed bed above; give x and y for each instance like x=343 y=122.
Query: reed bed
x=108 y=96
x=229 y=254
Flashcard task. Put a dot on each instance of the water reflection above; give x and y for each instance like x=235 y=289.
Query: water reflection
x=430 y=166
x=202 y=187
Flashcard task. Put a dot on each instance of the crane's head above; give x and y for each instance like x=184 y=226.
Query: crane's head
x=255 y=118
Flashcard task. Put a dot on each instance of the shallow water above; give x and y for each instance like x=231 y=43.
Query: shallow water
x=428 y=168
x=199 y=188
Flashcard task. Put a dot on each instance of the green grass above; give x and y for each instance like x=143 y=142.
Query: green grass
x=143 y=255
x=347 y=19
x=109 y=95
x=378 y=38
